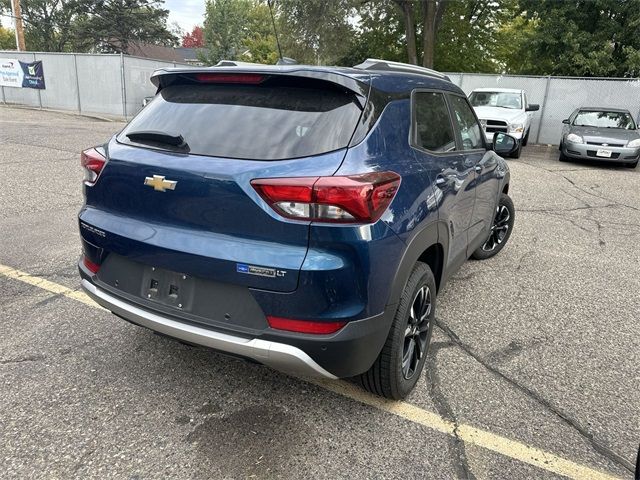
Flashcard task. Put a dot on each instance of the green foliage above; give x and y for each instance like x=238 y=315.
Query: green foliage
x=316 y=32
x=259 y=41
x=7 y=39
x=577 y=37
x=224 y=29
x=90 y=25
x=467 y=38
x=378 y=34
x=239 y=30
x=113 y=25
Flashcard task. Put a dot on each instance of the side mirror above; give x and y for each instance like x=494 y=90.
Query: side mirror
x=565 y=121
x=504 y=144
x=533 y=107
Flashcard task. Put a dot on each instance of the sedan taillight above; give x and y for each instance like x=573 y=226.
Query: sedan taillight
x=93 y=162
x=349 y=199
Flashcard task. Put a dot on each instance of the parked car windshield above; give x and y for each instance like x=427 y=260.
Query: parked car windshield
x=247 y=121
x=496 y=99
x=603 y=119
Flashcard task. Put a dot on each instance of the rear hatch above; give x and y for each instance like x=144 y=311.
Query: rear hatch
x=175 y=192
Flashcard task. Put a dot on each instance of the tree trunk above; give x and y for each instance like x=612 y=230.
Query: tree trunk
x=410 y=28
x=428 y=32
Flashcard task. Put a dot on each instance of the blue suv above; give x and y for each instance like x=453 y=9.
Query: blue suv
x=302 y=217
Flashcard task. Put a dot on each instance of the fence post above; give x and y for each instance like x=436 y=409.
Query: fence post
x=124 y=88
x=4 y=100
x=75 y=67
x=461 y=81
x=39 y=92
x=542 y=108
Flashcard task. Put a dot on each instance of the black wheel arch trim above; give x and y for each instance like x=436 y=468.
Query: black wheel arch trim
x=436 y=233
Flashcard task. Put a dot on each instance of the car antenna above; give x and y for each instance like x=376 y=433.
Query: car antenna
x=275 y=30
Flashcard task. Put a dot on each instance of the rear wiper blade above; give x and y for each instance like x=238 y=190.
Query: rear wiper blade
x=154 y=136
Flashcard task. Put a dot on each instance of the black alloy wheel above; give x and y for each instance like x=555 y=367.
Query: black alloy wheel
x=416 y=333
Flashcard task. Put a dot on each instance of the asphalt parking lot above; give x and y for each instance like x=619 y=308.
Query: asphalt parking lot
x=533 y=372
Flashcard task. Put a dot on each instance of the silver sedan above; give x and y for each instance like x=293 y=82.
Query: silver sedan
x=607 y=134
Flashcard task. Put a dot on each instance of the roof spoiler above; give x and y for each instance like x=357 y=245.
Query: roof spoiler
x=164 y=77
x=388 y=66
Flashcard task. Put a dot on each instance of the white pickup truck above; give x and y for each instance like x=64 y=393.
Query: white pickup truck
x=504 y=110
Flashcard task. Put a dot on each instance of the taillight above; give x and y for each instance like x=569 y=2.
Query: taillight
x=351 y=199
x=93 y=162
x=92 y=267
x=304 y=326
x=246 y=78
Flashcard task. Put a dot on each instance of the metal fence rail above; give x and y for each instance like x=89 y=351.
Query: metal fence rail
x=115 y=85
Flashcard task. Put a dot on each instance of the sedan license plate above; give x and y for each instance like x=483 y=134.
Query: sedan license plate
x=603 y=153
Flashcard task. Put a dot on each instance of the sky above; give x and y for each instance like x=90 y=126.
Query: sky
x=187 y=13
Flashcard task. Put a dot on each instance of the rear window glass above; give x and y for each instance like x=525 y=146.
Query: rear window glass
x=250 y=122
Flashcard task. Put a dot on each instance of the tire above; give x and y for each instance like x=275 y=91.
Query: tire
x=387 y=377
x=525 y=140
x=562 y=157
x=501 y=229
x=517 y=153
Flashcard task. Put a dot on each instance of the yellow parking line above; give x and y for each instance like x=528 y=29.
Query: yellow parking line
x=476 y=436
x=47 y=285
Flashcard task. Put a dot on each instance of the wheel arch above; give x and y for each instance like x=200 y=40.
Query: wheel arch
x=430 y=246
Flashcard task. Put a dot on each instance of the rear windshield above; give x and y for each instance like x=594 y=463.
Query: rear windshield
x=603 y=119
x=257 y=122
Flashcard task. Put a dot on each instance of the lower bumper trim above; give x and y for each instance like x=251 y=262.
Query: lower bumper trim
x=279 y=356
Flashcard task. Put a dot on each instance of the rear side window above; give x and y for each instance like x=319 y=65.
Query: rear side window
x=433 y=129
x=258 y=122
x=466 y=123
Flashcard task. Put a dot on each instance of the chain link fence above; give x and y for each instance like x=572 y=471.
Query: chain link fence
x=115 y=85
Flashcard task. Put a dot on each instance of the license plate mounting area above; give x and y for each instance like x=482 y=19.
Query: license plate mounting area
x=167 y=287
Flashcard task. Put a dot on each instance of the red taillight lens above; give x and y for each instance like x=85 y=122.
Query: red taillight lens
x=304 y=326
x=247 y=78
x=352 y=199
x=93 y=267
x=93 y=162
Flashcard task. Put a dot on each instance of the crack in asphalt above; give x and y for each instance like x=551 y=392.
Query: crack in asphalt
x=603 y=450
x=444 y=409
x=579 y=187
x=28 y=358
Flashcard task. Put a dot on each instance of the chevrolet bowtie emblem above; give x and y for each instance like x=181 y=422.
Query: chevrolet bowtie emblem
x=159 y=183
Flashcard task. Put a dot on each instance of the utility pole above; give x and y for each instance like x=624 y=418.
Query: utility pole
x=16 y=12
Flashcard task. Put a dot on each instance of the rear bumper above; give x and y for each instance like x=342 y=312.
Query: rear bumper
x=347 y=353
x=276 y=355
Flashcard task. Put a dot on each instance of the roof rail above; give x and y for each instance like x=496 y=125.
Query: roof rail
x=386 y=65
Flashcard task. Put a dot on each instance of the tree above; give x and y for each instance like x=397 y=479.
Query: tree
x=238 y=30
x=113 y=25
x=468 y=36
x=224 y=31
x=378 y=34
x=432 y=12
x=576 y=37
x=194 y=39
x=7 y=39
x=315 y=31
x=48 y=23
